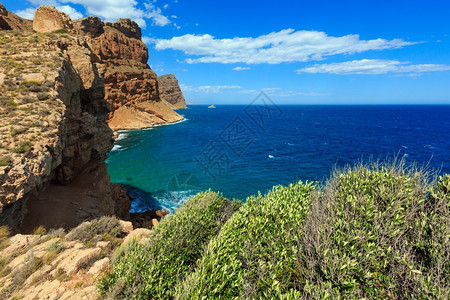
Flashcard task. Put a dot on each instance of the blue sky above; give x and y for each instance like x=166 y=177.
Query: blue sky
x=297 y=52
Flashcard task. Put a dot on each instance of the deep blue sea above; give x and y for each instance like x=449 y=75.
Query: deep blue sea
x=240 y=150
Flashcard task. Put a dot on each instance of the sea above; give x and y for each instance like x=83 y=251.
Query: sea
x=245 y=149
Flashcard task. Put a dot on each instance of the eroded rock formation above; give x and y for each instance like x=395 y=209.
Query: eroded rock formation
x=169 y=90
x=10 y=21
x=54 y=137
x=58 y=89
x=49 y=19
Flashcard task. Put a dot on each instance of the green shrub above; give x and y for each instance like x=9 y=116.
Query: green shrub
x=41 y=230
x=255 y=253
x=56 y=246
x=151 y=270
x=378 y=232
x=16 y=131
x=371 y=232
x=24 y=147
x=60 y=31
x=43 y=96
x=5 y=161
x=105 y=228
x=4 y=235
x=11 y=104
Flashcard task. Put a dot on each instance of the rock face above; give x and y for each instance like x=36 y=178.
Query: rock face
x=131 y=86
x=57 y=92
x=170 y=91
x=53 y=134
x=56 y=265
x=49 y=19
x=10 y=21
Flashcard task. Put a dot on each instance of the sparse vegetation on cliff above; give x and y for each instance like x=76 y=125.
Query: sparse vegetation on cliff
x=374 y=232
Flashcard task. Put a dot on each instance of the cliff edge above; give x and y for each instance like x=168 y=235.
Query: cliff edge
x=170 y=91
x=64 y=85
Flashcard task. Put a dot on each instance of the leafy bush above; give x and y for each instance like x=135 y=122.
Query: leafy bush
x=378 y=232
x=16 y=131
x=371 y=232
x=4 y=235
x=255 y=253
x=5 y=161
x=60 y=31
x=105 y=228
x=24 y=147
x=41 y=230
x=151 y=270
x=43 y=96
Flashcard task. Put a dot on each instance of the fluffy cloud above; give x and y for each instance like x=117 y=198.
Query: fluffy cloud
x=373 y=67
x=273 y=92
x=29 y=12
x=241 y=68
x=26 y=13
x=111 y=10
x=155 y=14
x=108 y=10
x=277 y=47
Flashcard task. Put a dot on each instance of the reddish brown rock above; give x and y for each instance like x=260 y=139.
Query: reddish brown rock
x=131 y=86
x=91 y=26
x=10 y=21
x=169 y=90
x=128 y=27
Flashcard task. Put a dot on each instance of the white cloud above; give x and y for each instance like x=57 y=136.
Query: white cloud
x=147 y=39
x=107 y=10
x=241 y=68
x=26 y=13
x=155 y=14
x=72 y=12
x=273 y=91
x=373 y=67
x=277 y=47
x=111 y=10
x=208 y=89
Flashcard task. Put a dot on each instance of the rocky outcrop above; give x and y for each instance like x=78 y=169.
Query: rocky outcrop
x=57 y=92
x=131 y=86
x=49 y=19
x=169 y=91
x=54 y=137
x=129 y=28
x=10 y=21
x=56 y=265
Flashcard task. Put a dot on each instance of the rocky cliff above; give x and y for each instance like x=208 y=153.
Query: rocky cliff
x=10 y=21
x=61 y=86
x=53 y=133
x=170 y=91
x=131 y=86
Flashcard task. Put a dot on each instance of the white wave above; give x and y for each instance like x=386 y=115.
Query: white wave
x=165 y=124
x=122 y=135
x=404 y=147
x=270 y=156
x=174 y=199
x=116 y=148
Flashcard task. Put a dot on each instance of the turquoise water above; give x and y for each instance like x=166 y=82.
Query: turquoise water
x=241 y=150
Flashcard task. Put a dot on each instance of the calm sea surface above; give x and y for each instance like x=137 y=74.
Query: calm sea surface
x=241 y=150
